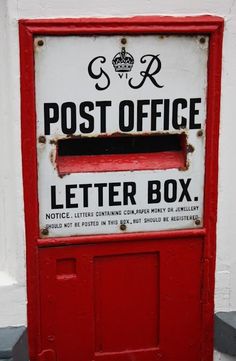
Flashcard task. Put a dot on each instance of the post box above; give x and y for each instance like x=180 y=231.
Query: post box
x=120 y=122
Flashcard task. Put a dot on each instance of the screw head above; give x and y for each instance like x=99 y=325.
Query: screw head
x=123 y=227
x=197 y=222
x=200 y=133
x=45 y=232
x=40 y=42
x=123 y=41
x=42 y=139
x=202 y=40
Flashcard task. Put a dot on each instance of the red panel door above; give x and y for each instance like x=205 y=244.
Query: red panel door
x=122 y=302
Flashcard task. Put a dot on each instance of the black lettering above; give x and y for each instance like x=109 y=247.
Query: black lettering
x=54 y=204
x=85 y=115
x=175 y=114
x=128 y=194
x=166 y=114
x=70 y=196
x=185 y=192
x=66 y=129
x=170 y=195
x=113 y=193
x=154 y=194
x=122 y=119
x=155 y=113
x=100 y=187
x=141 y=114
x=193 y=111
x=51 y=115
x=149 y=72
x=103 y=105
x=85 y=188
x=101 y=73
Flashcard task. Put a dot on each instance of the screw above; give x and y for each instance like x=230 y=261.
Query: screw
x=44 y=232
x=123 y=41
x=197 y=222
x=123 y=227
x=40 y=42
x=202 y=40
x=42 y=139
x=200 y=133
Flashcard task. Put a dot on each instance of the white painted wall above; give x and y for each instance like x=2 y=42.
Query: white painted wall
x=12 y=237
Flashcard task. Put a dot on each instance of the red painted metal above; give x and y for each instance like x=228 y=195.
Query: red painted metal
x=122 y=302
x=108 y=163
x=185 y=259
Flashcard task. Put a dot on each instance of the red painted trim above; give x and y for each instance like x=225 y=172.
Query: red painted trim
x=211 y=25
x=124 y=237
x=120 y=162
x=211 y=184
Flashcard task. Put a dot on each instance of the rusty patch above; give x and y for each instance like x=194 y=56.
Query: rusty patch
x=182 y=131
x=42 y=139
x=123 y=227
x=53 y=141
x=44 y=232
x=200 y=133
x=186 y=167
x=190 y=148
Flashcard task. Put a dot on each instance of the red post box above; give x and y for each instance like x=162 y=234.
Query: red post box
x=120 y=122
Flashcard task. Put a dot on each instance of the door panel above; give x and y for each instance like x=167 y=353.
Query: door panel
x=131 y=301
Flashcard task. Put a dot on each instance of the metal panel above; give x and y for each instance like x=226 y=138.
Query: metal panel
x=79 y=93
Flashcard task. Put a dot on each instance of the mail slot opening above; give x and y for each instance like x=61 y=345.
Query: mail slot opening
x=159 y=151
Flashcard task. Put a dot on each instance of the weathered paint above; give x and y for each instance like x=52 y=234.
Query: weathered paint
x=12 y=241
x=85 y=76
x=202 y=260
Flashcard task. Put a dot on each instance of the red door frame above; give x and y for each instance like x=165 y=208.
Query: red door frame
x=28 y=29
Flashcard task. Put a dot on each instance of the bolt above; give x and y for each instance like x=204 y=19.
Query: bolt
x=197 y=222
x=202 y=40
x=40 y=42
x=200 y=133
x=123 y=227
x=45 y=232
x=42 y=139
x=123 y=41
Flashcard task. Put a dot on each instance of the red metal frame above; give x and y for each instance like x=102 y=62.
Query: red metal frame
x=211 y=25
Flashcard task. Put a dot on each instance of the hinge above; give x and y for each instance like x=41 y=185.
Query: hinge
x=47 y=355
x=205 y=281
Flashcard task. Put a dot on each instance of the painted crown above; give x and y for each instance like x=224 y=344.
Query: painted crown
x=123 y=61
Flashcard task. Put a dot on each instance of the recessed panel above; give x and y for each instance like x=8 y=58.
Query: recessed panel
x=126 y=302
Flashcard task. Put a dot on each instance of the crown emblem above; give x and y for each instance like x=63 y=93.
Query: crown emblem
x=123 y=61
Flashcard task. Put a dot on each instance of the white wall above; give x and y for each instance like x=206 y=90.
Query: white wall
x=12 y=238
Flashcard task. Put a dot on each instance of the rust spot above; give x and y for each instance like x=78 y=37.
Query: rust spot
x=62 y=175
x=52 y=157
x=190 y=148
x=44 y=232
x=40 y=42
x=53 y=141
x=200 y=133
x=42 y=139
x=123 y=227
x=186 y=167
